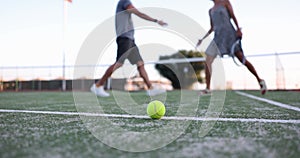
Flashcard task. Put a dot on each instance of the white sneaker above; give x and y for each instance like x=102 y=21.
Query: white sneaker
x=263 y=87
x=155 y=91
x=205 y=92
x=99 y=91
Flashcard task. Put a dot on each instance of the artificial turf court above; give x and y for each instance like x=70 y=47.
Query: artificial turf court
x=47 y=124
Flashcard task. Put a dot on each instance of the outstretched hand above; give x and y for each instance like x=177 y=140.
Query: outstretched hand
x=162 y=23
x=199 y=43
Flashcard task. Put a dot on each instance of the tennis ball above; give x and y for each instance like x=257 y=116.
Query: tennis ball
x=156 y=109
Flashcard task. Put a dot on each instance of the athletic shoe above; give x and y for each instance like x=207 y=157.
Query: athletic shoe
x=205 y=92
x=155 y=91
x=263 y=87
x=99 y=91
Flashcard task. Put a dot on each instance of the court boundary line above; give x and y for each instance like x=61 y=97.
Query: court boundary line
x=279 y=104
x=260 y=120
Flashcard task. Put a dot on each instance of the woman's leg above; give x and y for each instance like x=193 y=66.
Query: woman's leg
x=208 y=70
x=251 y=68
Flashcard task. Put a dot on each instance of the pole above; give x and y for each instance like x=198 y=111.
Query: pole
x=64 y=85
x=1 y=80
x=65 y=14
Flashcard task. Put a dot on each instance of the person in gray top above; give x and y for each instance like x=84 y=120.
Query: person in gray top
x=127 y=48
x=226 y=41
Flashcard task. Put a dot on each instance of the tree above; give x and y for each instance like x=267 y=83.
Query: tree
x=183 y=74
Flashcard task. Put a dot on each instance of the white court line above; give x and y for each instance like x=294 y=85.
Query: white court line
x=286 y=106
x=146 y=117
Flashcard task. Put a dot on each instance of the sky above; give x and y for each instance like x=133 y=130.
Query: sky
x=32 y=34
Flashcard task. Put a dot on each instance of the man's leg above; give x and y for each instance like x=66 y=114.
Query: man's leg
x=152 y=91
x=98 y=87
x=108 y=73
x=143 y=73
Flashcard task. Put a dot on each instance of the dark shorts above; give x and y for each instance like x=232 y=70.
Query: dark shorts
x=127 y=49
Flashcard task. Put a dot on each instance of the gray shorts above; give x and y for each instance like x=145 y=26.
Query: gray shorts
x=212 y=50
x=127 y=49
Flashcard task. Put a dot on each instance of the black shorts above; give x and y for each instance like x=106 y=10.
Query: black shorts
x=127 y=49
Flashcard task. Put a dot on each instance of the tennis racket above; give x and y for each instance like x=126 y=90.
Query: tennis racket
x=232 y=52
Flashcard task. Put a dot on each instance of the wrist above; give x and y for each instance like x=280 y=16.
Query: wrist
x=155 y=20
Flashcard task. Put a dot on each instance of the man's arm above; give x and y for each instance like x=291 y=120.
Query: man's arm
x=135 y=11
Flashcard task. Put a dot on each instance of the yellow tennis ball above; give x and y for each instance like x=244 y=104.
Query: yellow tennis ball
x=156 y=109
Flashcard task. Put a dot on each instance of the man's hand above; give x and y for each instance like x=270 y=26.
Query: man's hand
x=132 y=9
x=162 y=23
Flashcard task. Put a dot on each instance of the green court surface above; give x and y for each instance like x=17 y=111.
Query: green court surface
x=48 y=124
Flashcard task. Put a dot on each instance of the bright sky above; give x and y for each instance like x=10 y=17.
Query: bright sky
x=32 y=31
